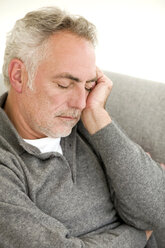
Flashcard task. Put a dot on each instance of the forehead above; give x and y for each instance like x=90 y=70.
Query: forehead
x=66 y=39
x=65 y=44
x=68 y=52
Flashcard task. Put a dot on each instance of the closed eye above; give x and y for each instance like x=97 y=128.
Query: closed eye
x=62 y=86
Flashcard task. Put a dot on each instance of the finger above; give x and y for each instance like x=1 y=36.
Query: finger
x=148 y=154
x=102 y=78
x=148 y=234
x=99 y=73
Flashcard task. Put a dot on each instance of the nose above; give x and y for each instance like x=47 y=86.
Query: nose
x=78 y=98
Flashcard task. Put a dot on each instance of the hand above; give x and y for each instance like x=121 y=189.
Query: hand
x=98 y=96
x=148 y=234
x=94 y=116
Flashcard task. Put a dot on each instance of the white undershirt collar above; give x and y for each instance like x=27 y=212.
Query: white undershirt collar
x=46 y=144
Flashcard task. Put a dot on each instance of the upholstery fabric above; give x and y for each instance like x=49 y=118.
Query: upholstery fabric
x=139 y=107
x=2 y=86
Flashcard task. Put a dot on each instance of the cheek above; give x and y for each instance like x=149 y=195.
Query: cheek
x=57 y=101
x=46 y=101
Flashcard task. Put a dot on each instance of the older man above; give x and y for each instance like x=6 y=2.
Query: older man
x=63 y=184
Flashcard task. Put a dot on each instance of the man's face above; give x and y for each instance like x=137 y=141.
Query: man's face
x=60 y=88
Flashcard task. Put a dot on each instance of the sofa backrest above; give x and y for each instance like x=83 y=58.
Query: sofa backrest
x=2 y=86
x=139 y=107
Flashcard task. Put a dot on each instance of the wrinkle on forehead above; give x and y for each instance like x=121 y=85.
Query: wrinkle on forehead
x=70 y=76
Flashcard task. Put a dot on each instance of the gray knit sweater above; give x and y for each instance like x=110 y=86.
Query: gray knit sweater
x=78 y=199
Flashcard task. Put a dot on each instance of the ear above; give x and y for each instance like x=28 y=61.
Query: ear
x=17 y=73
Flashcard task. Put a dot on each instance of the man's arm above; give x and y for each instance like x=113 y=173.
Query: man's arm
x=23 y=224
x=136 y=181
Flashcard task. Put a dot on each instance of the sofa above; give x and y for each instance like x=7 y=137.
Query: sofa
x=139 y=107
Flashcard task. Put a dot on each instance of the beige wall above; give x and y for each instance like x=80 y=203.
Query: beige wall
x=131 y=32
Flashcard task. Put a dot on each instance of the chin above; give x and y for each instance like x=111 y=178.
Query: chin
x=59 y=134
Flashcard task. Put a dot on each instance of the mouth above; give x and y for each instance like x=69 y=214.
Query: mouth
x=68 y=118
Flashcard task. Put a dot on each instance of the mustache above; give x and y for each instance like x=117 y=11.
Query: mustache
x=74 y=113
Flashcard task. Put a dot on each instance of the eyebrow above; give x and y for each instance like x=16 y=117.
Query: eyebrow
x=70 y=76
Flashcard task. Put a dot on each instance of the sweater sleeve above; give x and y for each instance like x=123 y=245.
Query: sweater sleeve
x=23 y=224
x=137 y=183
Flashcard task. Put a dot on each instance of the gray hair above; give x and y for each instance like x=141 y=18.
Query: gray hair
x=27 y=39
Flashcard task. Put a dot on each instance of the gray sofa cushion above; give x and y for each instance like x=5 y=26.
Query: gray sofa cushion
x=139 y=107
